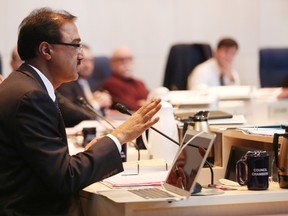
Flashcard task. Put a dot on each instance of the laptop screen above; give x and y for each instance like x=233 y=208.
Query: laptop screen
x=188 y=161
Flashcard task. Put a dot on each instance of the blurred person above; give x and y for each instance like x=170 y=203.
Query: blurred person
x=122 y=85
x=15 y=61
x=38 y=176
x=217 y=71
x=283 y=94
x=68 y=94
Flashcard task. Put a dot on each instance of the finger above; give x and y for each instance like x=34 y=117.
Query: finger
x=148 y=107
x=151 y=122
x=150 y=113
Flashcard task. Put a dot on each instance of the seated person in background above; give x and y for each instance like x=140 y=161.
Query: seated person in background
x=122 y=86
x=68 y=94
x=283 y=94
x=15 y=61
x=218 y=70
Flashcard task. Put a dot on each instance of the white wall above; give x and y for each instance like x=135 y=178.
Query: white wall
x=150 y=27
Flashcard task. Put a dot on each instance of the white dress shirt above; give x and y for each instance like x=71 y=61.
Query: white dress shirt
x=208 y=74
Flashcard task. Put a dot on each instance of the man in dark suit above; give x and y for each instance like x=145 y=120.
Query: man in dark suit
x=37 y=174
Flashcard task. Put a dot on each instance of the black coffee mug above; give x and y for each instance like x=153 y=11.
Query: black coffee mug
x=252 y=170
x=88 y=135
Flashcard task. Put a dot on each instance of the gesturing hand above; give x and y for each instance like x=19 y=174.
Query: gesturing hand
x=140 y=121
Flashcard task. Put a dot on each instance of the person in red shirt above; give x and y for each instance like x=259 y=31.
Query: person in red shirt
x=122 y=85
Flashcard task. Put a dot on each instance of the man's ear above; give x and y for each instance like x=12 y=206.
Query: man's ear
x=45 y=50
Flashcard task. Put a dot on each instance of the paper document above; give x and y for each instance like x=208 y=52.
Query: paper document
x=144 y=166
x=264 y=131
x=141 y=179
x=139 y=173
x=232 y=92
x=186 y=97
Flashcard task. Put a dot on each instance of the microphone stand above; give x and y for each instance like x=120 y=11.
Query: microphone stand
x=212 y=185
x=121 y=108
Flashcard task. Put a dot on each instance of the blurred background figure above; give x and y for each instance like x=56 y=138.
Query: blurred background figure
x=68 y=95
x=15 y=61
x=122 y=85
x=217 y=71
x=283 y=94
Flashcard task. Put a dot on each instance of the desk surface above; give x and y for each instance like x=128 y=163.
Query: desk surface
x=239 y=202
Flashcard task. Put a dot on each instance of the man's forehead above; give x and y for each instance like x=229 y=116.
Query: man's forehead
x=70 y=32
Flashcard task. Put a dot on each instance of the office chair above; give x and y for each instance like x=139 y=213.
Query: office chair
x=101 y=71
x=273 y=67
x=182 y=59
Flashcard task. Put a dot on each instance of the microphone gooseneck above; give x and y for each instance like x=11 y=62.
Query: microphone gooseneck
x=83 y=102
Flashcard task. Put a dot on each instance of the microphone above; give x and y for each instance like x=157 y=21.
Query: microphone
x=121 y=108
x=83 y=102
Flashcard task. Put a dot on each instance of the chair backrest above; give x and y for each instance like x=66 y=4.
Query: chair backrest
x=182 y=59
x=273 y=66
x=101 y=71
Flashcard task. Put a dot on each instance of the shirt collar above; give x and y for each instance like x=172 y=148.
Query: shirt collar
x=46 y=82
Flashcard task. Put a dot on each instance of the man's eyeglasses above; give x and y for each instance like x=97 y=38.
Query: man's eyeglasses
x=77 y=45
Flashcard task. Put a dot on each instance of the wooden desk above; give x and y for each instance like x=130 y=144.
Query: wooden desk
x=273 y=201
x=241 y=202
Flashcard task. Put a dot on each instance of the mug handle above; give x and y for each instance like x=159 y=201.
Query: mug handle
x=239 y=174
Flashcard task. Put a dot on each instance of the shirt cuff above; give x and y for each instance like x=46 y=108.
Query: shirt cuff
x=116 y=141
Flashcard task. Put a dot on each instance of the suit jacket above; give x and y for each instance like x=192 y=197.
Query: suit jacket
x=72 y=111
x=37 y=174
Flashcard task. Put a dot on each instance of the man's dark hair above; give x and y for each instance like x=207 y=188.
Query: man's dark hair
x=40 y=25
x=227 y=42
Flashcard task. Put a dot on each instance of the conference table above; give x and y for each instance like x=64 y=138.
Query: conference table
x=232 y=202
x=264 y=110
x=237 y=202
